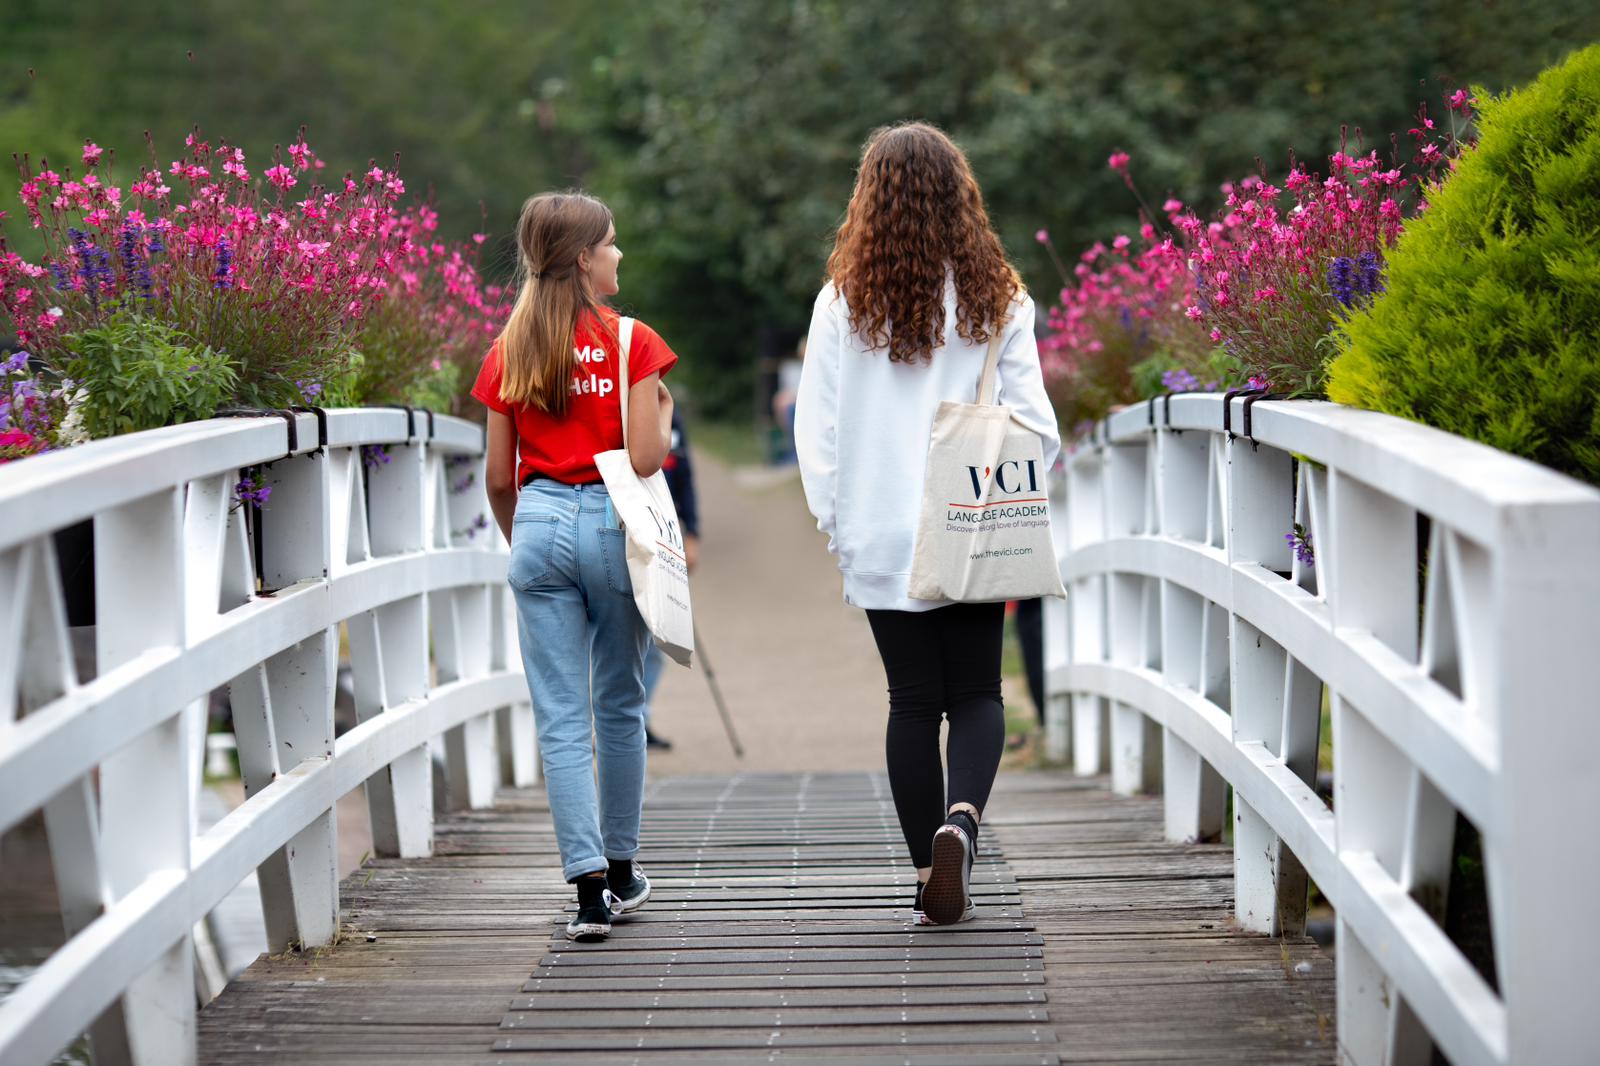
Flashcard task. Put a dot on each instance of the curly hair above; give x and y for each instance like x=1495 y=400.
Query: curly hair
x=917 y=216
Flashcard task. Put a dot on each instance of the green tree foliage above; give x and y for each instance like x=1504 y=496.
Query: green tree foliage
x=739 y=124
x=1490 y=327
x=725 y=132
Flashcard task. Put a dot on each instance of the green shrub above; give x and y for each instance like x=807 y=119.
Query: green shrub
x=137 y=373
x=1490 y=324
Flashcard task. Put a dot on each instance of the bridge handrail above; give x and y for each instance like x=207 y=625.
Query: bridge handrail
x=194 y=591
x=1196 y=643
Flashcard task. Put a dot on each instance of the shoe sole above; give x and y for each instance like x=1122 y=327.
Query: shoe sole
x=944 y=900
x=588 y=933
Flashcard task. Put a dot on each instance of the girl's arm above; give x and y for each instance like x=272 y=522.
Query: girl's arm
x=816 y=413
x=500 y=470
x=649 y=424
x=1022 y=381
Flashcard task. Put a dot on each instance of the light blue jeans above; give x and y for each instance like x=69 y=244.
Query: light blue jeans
x=583 y=646
x=655 y=661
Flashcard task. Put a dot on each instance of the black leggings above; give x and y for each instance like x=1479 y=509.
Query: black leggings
x=944 y=662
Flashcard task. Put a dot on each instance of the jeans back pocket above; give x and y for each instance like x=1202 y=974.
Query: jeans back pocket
x=533 y=545
x=614 y=552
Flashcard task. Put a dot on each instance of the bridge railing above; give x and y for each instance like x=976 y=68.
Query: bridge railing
x=376 y=528
x=1442 y=602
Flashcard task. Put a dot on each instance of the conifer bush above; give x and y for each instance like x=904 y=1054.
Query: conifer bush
x=1489 y=327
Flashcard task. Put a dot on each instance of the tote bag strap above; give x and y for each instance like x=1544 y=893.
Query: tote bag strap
x=991 y=366
x=624 y=342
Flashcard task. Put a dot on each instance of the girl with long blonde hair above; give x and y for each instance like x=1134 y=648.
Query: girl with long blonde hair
x=551 y=385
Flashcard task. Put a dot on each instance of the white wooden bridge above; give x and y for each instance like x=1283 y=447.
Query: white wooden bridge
x=1446 y=622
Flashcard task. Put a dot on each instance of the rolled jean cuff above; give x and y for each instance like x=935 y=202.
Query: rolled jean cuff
x=634 y=854
x=578 y=867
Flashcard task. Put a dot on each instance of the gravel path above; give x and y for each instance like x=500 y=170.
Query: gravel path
x=797 y=666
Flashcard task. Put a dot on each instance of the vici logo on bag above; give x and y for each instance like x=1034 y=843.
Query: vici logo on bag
x=670 y=538
x=1025 y=475
x=1016 y=482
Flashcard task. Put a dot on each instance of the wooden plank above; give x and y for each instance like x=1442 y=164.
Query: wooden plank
x=774 y=933
x=567 y=1000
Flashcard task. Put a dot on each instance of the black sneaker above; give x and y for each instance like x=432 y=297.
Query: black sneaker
x=947 y=897
x=627 y=886
x=593 y=920
x=653 y=741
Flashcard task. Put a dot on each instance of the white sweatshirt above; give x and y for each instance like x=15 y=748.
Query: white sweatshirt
x=862 y=425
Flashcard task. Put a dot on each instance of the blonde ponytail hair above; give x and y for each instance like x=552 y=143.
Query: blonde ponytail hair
x=536 y=346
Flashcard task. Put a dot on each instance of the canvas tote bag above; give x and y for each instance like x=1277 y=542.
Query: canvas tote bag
x=656 y=561
x=984 y=534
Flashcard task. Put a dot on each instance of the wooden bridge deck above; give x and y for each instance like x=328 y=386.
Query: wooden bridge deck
x=778 y=931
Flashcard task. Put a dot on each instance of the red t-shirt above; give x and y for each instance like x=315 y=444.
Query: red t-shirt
x=564 y=448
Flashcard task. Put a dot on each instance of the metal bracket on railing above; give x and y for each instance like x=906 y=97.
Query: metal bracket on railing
x=285 y=413
x=1166 y=406
x=1150 y=413
x=322 y=422
x=1227 y=408
x=429 y=412
x=411 y=417
x=1227 y=411
x=1260 y=394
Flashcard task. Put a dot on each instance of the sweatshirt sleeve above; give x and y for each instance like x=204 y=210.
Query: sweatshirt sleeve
x=1022 y=381
x=816 y=415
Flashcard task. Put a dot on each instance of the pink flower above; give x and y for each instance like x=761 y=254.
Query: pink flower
x=280 y=176
x=1265 y=294
x=1043 y=236
x=1194 y=313
x=1461 y=100
x=1172 y=207
x=91 y=153
x=1118 y=161
x=1216 y=335
x=1121 y=243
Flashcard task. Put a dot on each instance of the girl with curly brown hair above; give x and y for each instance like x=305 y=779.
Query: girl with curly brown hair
x=918 y=285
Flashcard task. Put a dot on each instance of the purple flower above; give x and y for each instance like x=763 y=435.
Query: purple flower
x=248 y=490
x=1369 y=274
x=1300 y=542
x=1179 y=380
x=93 y=266
x=479 y=522
x=224 y=271
x=373 y=455
x=1341 y=280
x=17 y=364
